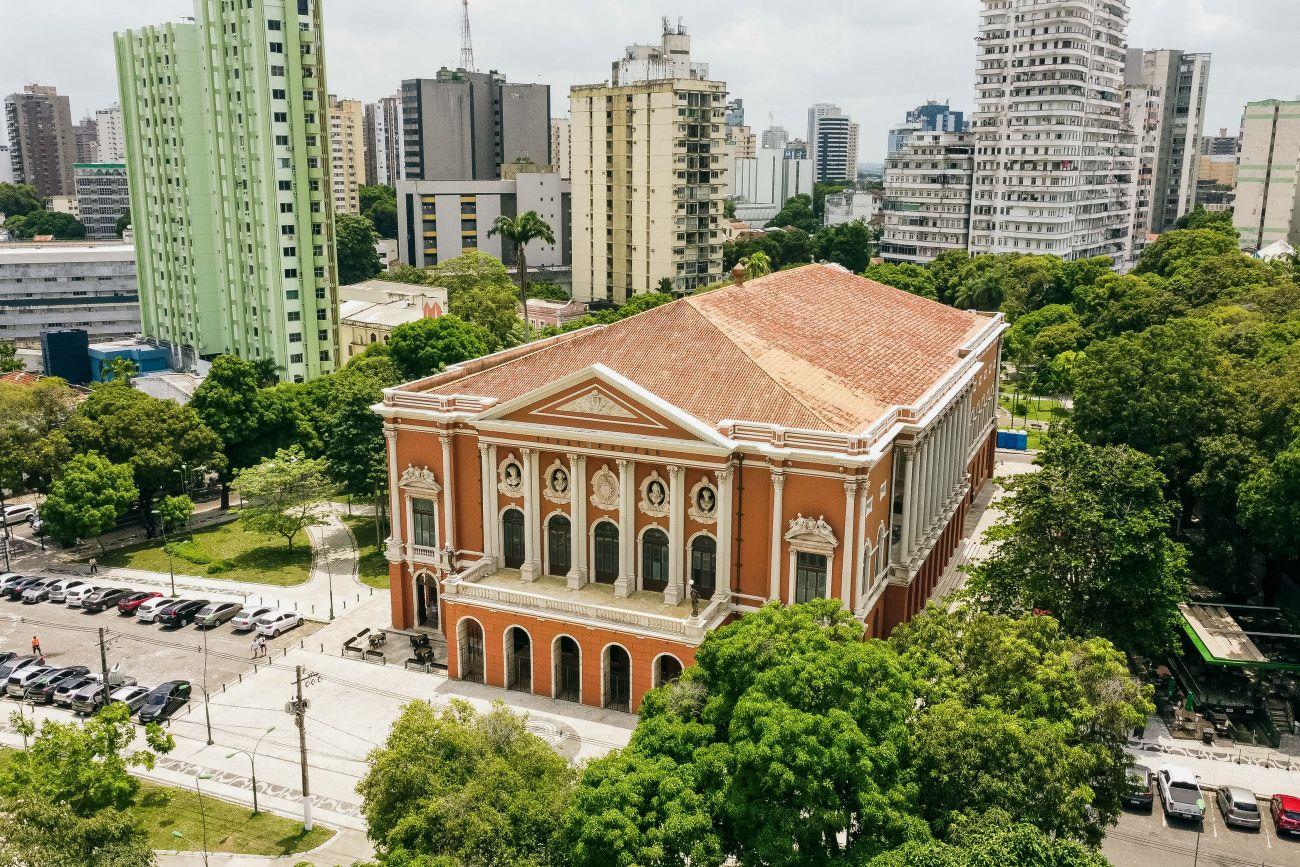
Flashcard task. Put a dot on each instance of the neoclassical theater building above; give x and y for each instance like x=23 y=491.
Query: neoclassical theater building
x=576 y=514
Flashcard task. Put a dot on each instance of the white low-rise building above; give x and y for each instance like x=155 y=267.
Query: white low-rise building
x=49 y=286
x=762 y=184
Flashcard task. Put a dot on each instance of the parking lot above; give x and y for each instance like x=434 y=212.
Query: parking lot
x=150 y=653
x=1142 y=839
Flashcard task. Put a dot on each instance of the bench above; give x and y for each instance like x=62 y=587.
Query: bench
x=375 y=656
x=352 y=645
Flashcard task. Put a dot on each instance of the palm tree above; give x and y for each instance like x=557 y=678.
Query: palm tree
x=121 y=370
x=528 y=226
x=267 y=372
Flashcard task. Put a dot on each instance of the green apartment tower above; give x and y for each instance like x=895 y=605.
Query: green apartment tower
x=227 y=138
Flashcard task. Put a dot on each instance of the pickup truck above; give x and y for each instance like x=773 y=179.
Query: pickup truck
x=1180 y=794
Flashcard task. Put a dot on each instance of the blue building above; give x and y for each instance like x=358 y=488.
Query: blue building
x=149 y=359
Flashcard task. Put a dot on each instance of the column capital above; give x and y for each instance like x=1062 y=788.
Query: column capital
x=483 y=449
x=390 y=431
x=675 y=471
x=625 y=464
x=445 y=436
x=527 y=452
x=851 y=488
x=778 y=479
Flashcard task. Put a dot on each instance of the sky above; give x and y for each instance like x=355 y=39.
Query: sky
x=875 y=58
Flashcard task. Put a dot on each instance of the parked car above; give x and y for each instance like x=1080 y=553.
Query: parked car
x=15 y=590
x=59 y=589
x=1286 y=813
x=6 y=655
x=216 y=613
x=17 y=513
x=1141 y=788
x=77 y=595
x=8 y=579
x=18 y=682
x=16 y=664
x=276 y=623
x=64 y=691
x=90 y=697
x=41 y=689
x=247 y=617
x=129 y=604
x=132 y=696
x=37 y=591
x=181 y=612
x=164 y=700
x=147 y=611
x=1180 y=794
x=104 y=598
x=1238 y=806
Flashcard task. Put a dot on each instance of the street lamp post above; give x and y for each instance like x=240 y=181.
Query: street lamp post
x=5 y=492
x=252 y=763
x=325 y=553
x=207 y=716
x=203 y=819
x=171 y=569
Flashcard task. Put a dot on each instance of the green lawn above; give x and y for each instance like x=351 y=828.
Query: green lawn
x=372 y=566
x=231 y=827
x=253 y=557
x=1040 y=408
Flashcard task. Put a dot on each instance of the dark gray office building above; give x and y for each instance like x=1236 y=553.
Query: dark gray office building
x=465 y=125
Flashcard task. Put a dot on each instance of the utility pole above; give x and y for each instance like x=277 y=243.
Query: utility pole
x=103 y=665
x=298 y=709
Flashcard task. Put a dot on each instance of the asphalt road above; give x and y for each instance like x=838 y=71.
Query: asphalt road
x=1144 y=839
x=148 y=652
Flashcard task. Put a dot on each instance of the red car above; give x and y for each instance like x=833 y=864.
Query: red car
x=1286 y=813
x=132 y=602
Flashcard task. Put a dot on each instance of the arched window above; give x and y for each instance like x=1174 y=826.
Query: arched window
x=373 y=337
x=618 y=679
x=606 y=559
x=558 y=545
x=667 y=669
x=512 y=538
x=568 y=669
x=469 y=641
x=654 y=560
x=704 y=566
x=519 y=660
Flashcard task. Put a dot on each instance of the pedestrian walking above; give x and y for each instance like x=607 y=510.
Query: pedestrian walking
x=261 y=644
x=36 y=646
x=94 y=565
x=253 y=645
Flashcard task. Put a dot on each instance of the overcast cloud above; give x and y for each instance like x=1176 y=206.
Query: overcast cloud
x=876 y=58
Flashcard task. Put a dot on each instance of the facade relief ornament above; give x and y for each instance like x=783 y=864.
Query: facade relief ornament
x=811 y=534
x=421 y=478
x=654 y=496
x=704 y=502
x=604 y=489
x=557 y=484
x=510 y=477
x=595 y=403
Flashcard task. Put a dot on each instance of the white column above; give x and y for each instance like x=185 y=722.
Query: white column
x=864 y=497
x=394 y=506
x=487 y=493
x=774 y=555
x=577 y=521
x=676 y=531
x=848 y=552
x=448 y=496
x=531 y=567
x=726 y=536
x=626 y=581
x=919 y=501
x=490 y=498
x=904 y=548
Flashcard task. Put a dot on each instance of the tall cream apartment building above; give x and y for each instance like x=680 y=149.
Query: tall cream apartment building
x=1268 y=175
x=1053 y=150
x=347 y=152
x=649 y=174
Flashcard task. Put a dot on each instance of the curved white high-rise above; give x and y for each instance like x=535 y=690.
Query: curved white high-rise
x=1053 y=152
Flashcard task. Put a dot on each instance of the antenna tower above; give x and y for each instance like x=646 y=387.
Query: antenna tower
x=466 y=47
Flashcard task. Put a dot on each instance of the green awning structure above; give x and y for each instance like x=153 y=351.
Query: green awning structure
x=1218 y=633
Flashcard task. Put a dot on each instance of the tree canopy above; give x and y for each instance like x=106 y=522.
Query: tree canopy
x=64 y=227
x=426 y=346
x=1112 y=569
x=282 y=495
x=19 y=199
x=458 y=787
x=355 y=239
x=88 y=498
x=797 y=212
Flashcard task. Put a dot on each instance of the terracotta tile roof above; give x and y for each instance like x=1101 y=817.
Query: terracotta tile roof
x=813 y=347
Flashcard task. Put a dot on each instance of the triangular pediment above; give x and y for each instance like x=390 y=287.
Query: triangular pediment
x=598 y=400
